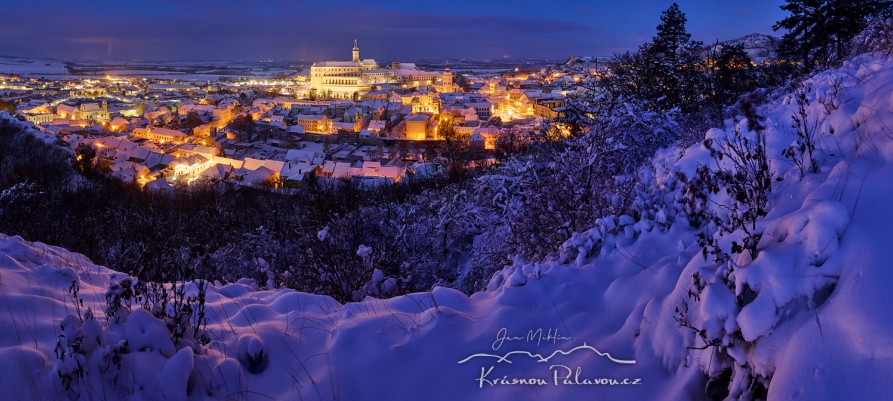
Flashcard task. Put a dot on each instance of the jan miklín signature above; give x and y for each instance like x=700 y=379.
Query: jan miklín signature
x=561 y=374
x=537 y=335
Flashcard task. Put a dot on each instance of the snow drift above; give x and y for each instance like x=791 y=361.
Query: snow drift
x=808 y=318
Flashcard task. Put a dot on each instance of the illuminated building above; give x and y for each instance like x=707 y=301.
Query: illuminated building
x=341 y=79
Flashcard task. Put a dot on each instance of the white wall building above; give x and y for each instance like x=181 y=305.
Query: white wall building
x=342 y=79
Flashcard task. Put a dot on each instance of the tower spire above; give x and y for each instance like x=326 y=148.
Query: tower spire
x=447 y=75
x=356 y=52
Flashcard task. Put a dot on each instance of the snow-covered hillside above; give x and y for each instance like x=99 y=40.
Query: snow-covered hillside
x=759 y=47
x=807 y=319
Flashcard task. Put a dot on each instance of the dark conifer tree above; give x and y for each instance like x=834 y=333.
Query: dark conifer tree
x=672 y=63
x=734 y=72
x=672 y=37
x=819 y=31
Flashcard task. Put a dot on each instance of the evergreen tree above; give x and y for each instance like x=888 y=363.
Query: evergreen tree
x=672 y=38
x=845 y=19
x=455 y=152
x=192 y=121
x=730 y=74
x=819 y=31
x=672 y=66
x=86 y=156
x=733 y=71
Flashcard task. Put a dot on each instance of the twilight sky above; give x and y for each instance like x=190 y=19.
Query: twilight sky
x=325 y=29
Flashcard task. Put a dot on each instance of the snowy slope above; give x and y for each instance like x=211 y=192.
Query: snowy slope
x=403 y=348
x=811 y=312
x=817 y=313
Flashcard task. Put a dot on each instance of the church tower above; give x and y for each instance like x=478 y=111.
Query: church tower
x=447 y=75
x=356 y=52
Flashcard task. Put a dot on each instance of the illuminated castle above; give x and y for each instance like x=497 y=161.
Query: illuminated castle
x=343 y=79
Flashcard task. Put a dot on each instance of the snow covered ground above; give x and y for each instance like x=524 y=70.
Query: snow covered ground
x=811 y=312
x=34 y=67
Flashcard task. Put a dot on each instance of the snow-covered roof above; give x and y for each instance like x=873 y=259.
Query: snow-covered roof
x=259 y=175
x=300 y=155
x=91 y=107
x=64 y=108
x=119 y=122
x=237 y=164
x=254 y=164
x=342 y=170
x=158 y=185
x=168 y=132
x=311 y=117
x=216 y=172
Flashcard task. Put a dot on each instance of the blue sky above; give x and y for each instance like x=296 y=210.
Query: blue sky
x=314 y=30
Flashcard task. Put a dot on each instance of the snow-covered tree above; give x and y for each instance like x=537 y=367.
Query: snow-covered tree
x=672 y=62
x=819 y=31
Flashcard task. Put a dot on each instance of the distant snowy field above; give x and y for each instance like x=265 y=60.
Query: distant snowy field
x=56 y=69
x=819 y=323
x=21 y=65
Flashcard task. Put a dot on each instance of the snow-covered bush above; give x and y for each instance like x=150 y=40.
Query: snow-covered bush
x=71 y=354
x=802 y=149
x=734 y=195
x=123 y=292
x=180 y=305
x=143 y=321
x=252 y=353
